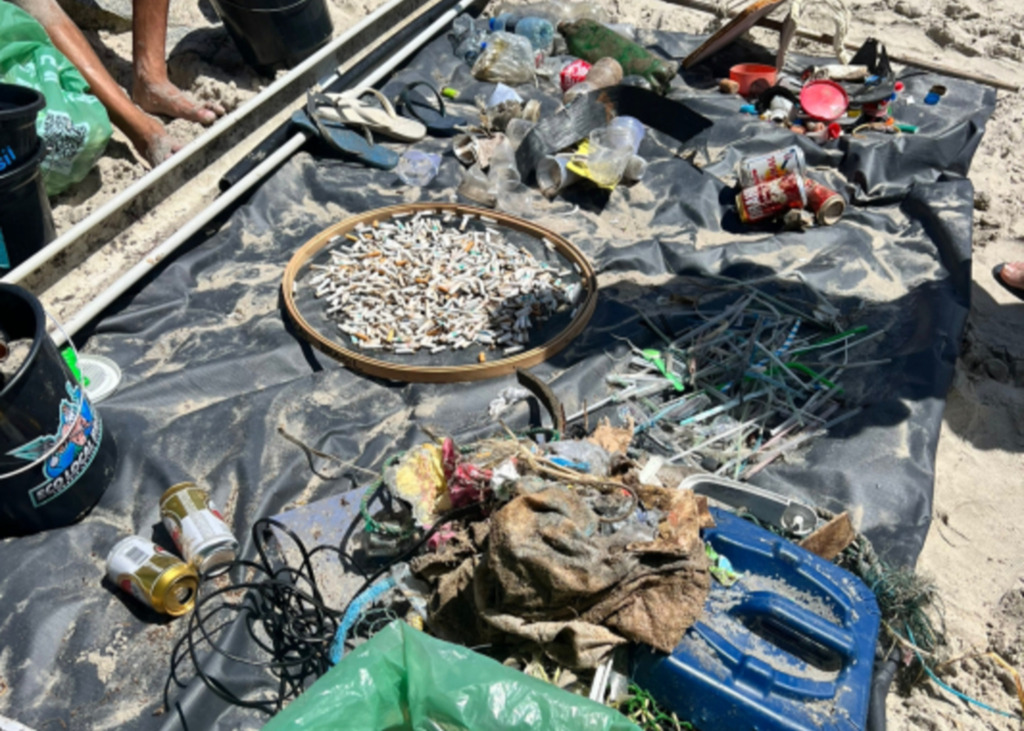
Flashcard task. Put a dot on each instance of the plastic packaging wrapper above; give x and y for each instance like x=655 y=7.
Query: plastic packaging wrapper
x=507 y=58
x=74 y=126
x=405 y=680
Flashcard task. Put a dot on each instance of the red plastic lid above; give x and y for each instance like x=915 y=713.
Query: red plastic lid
x=825 y=100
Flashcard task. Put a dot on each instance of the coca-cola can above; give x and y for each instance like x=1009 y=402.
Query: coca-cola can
x=761 y=202
x=758 y=169
x=573 y=73
x=828 y=206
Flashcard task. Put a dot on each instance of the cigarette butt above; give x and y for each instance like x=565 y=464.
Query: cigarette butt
x=350 y=237
x=362 y=337
x=482 y=358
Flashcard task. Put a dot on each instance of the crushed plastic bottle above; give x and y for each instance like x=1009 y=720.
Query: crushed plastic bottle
x=466 y=38
x=507 y=58
x=540 y=33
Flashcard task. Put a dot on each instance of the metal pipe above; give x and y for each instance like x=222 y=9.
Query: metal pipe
x=122 y=199
x=96 y=306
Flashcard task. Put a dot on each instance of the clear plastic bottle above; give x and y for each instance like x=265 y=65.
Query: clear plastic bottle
x=540 y=33
x=504 y=21
x=467 y=38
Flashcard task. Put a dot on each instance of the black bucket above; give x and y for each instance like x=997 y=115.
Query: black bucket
x=26 y=222
x=56 y=459
x=19 y=107
x=275 y=33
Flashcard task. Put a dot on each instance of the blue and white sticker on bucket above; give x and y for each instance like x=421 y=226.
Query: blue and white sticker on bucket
x=5 y=261
x=81 y=434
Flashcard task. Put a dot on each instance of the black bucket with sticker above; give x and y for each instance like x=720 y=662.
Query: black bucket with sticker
x=26 y=221
x=56 y=457
x=19 y=107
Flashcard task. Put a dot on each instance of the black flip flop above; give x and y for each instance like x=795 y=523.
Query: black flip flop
x=414 y=105
x=1018 y=293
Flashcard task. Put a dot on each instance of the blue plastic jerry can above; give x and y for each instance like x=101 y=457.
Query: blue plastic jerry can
x=790 y=646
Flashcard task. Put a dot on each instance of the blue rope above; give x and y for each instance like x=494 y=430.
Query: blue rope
x=356 y=608
x=949 y=689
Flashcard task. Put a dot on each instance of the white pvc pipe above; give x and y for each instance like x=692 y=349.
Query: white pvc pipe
x=129 y=194
x=93 y=308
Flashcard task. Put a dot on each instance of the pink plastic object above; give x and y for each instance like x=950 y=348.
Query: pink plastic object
x=748 y=74
x=825 y=100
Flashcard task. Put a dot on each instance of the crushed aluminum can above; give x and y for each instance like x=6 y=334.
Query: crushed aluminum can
x=761 y=202
x=155 y=577
x=828 y=206
x=198 y=530
x=758 y=169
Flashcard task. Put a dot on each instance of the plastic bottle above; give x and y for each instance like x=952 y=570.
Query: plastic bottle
x=507 y=58
x=606 y=72
x=592 y=41
x=466 y=38
x=538 y=31
x=504 y=21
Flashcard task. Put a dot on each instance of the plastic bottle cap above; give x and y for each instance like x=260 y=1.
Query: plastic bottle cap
x=102 y=374
x=899 y=86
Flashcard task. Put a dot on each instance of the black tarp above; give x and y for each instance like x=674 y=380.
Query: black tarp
x=211 y=368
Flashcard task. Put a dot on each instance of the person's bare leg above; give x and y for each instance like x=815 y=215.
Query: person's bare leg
x=1012 y=272
x=146 y=134
x=151 y=88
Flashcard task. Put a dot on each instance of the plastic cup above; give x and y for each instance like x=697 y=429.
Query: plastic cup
x=609 y=151
x=634 y=125
x=553 y=175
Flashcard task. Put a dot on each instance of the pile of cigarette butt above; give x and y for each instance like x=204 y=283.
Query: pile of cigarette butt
x=424 y=282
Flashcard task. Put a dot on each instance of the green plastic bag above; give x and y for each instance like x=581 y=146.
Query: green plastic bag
x=406 y=680
x=74 y=126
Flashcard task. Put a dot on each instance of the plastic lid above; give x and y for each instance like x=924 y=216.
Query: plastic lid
x=102 y=376
x=824 y=100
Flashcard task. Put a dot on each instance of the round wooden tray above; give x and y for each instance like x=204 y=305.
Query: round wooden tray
x=450 y=373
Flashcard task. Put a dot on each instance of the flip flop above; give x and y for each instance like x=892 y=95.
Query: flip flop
x=352 y=110
x=415 y=106
x=996 y=271
x=347 y=142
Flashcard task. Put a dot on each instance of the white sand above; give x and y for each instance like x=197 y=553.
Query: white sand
x=975 y=550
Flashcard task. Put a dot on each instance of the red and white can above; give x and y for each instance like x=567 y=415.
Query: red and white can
x=758 y=169
x=827 y=204
x=761 y=202
x=573 y=74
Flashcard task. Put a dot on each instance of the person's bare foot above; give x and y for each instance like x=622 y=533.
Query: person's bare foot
x=1012 y=273
x=153 y=142
x=170 y=101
